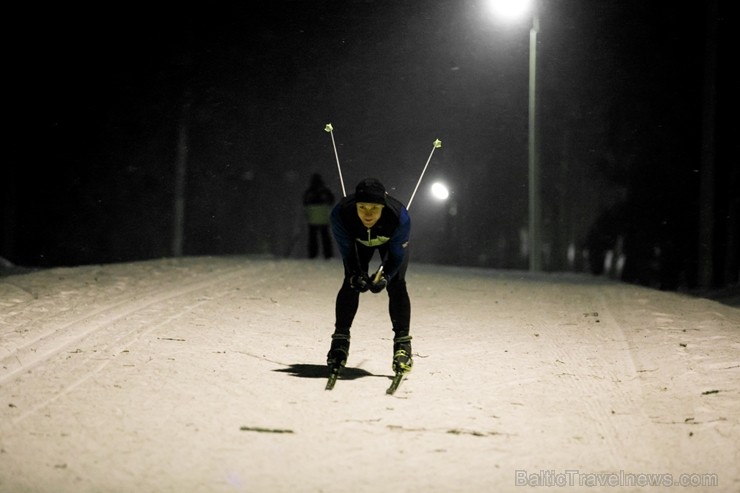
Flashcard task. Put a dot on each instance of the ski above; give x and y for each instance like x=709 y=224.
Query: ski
x=396 y=382
x=332 y=377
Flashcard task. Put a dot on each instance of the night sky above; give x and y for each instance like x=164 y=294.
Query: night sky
x=99 y=97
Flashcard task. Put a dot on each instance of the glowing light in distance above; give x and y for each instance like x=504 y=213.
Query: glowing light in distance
x=510 y=9
x=440 y=191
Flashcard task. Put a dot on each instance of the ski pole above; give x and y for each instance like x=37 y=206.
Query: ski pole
x=330 y=129
x=378 y=274
x=380 y=269
x=437 y=143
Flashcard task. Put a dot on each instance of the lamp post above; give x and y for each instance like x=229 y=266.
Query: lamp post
x=442 y=193
x=513 y=9
x=535 y=212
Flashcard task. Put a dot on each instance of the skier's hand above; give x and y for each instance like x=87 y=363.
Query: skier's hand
x=379 y=285
x=359 y=282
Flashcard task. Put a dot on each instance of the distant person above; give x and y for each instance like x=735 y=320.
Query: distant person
x=317 y=203
x=363 y=222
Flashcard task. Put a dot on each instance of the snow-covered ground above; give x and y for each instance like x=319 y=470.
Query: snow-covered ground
x=207 y=375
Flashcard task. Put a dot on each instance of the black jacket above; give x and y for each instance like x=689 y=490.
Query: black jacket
x=392 y=231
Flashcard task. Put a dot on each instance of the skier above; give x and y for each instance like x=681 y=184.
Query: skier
x=362 y=223
x=317 y=202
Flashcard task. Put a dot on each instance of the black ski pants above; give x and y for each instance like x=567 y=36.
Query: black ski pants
x=320 y=232
x=399 y=305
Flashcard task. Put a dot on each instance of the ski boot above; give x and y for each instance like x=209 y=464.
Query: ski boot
x=402 y=360
x=336 y=358
x=339 y=351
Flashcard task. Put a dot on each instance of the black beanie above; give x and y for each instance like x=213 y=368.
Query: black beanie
x=370 y=190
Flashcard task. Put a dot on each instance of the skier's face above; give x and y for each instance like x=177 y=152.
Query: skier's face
x=369 y=213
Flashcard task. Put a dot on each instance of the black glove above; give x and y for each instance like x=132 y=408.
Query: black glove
x=359 y=282
x=379 y=285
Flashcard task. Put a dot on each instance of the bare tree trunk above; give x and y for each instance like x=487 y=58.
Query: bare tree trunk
x=708 y=155
x=7 y=247
x=180 y=180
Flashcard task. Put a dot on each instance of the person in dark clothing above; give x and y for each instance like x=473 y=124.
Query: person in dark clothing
x=363 y=222
x=317 y=203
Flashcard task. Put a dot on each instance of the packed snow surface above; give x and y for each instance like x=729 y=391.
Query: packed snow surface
x=207 y=374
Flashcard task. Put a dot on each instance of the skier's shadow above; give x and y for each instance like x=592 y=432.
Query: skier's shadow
x=303 y=370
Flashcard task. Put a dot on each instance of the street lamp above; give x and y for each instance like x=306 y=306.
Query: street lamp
x=440 y=191
x=535 y=213
x=515 y=9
